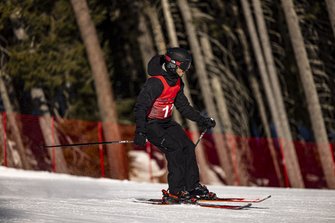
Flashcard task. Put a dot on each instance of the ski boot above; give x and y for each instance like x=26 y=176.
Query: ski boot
x=182 y=197
x=201 y=192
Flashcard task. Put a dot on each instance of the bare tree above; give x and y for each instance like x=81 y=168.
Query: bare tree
x=145 y=41
x=2 y=142
x=284 y=134
x=312 y=99
x=268 y=55
x=45 y=121
x=222 y=149
x=151 y=12
x=331 y=13
x=9 y=158
x=173 y=39
x=260 y=102
x=117 y=155
x=222 y=107
x=13 y=124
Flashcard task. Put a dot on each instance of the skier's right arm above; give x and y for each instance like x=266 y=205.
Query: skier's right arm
x=150 y=91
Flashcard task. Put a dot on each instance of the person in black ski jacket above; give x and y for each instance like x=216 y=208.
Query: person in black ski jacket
x=153 y=113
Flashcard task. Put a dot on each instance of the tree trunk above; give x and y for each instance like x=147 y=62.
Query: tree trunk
x=331 y=13
x=5 y=142
x=38 y=97
x=173 y=39
x=205 y=87
x=206 y=175
x=264 y=36
x=117 y=156
x=285 y=141
x=260 y=104
x=145 y=41
x=156 y=28
x=313 y=104
x=222 y=107
x=13 y=124
x=2 y=141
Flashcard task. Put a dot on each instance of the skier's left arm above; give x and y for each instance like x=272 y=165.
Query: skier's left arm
x=183 y=106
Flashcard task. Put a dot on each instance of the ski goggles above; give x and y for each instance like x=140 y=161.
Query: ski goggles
x=185 y=65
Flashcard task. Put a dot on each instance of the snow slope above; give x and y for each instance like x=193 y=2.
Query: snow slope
x=27 y=196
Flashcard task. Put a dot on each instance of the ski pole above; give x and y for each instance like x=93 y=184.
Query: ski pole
x=200 y=137
x=108 y=142
x=89 y=143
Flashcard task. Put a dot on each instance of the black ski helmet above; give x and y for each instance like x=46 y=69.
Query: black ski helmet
x=177 y=57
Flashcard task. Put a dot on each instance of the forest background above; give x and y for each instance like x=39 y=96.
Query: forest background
x=263 y=69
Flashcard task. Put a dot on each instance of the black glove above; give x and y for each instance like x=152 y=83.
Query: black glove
x=207 y=123
x=140 y=139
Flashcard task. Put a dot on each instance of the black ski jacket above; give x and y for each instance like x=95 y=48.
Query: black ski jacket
x=153 y=88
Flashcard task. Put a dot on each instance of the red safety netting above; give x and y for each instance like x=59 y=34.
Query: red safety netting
x=91 y=160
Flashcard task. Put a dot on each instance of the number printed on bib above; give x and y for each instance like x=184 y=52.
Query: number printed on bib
x=163 y=105
x=166 y=110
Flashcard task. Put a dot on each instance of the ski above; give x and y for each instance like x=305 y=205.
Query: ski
x=224 y=206
x=237 y=199
x=198 y=203
x=225 y=199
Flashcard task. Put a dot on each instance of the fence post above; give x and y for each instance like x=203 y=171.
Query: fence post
x=287 y=181
x=101 y=151
x=4 y=124
x=230 y=143
x=53 y=156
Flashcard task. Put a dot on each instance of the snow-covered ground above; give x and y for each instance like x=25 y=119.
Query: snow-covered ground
x=27 y=196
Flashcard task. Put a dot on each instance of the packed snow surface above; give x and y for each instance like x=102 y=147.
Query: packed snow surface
x=27 y=196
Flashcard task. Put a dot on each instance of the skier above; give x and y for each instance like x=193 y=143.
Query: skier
x=153 y=113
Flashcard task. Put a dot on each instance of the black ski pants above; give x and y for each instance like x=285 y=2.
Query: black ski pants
x=179 y=150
